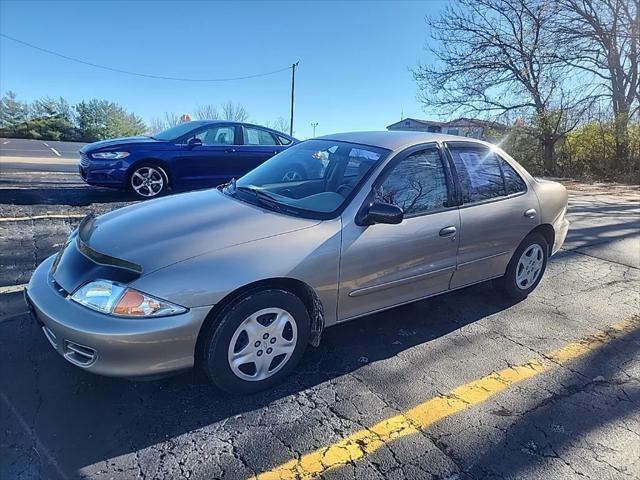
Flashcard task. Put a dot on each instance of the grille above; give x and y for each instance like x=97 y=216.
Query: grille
x=79 y=354
x=84 y=160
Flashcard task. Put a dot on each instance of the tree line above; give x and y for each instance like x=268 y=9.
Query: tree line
x=89 y=121
x=565 y=74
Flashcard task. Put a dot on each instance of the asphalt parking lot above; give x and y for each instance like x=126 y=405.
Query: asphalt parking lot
x=461 y=386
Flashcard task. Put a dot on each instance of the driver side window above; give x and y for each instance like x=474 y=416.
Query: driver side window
x=417 y=184
x=224 y=135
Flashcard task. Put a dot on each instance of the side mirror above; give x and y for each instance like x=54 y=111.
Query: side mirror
x=378 y=212
x=194 y=142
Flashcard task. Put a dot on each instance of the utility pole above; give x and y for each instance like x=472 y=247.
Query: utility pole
x=314 y=125
x=293 y=87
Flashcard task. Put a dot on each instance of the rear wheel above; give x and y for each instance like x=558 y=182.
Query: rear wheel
x=525 y=269
x=148 y=181
x=256 y=341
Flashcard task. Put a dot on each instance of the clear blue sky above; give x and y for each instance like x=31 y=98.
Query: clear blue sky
x=354 y=56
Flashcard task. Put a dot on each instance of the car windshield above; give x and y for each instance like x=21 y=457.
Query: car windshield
x=313 y=178
x=176 y=132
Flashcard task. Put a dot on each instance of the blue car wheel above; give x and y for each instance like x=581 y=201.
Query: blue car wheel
x=148 y=181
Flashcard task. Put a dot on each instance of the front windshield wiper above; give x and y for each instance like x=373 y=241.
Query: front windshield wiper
x=260 y=195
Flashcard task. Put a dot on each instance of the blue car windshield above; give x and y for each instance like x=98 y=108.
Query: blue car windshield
x=314 y=178
x=176 y=132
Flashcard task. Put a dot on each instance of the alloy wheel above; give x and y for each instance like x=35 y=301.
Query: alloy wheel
x=147 y=181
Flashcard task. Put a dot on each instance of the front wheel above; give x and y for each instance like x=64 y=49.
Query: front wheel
x=148 y=181
x=256 y=341
x=525 y=269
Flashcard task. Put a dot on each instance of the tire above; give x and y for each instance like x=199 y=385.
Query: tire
x=525 y=269
x=147 y=180
x=247 y=333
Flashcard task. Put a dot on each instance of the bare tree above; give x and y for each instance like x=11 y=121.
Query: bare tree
x=158 y=124
x=495 y=58
x=207 y=112
x=601 y=38
x=281 y=124
x=234 y=112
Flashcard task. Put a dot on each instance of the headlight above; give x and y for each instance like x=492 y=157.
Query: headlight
x=110 y=155
x=111 y=298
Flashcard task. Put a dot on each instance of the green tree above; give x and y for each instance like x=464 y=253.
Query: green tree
x=51 y=119
x=101 y=119
x=12 y=112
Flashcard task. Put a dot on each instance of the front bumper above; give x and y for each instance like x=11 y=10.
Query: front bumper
x=107 y=345
x=103 y=173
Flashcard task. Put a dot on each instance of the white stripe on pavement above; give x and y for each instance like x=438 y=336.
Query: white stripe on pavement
x=13 y=288
x=46 y=144
x=5 y=142
x=42 y=217
x=55 y=151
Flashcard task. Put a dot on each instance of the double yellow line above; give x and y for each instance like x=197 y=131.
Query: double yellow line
x=367 y=441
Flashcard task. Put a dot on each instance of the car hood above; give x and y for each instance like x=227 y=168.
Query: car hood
x=157 y=233
x=115 y=142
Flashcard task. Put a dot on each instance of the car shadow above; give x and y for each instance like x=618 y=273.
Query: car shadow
x=84 y=418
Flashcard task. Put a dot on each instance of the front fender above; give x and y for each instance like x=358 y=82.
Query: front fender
x=310 y=255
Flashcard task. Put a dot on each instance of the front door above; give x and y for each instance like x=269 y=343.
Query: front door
x=383 y=265
x=496 y=214
x=209 y=164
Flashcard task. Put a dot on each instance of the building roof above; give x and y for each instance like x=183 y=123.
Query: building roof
x=474 y=122
x=458 y=122
x=428 y=123
x=394 y=139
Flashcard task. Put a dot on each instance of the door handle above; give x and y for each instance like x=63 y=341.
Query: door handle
x=230 y=150
x=448 y=231
x=531 y=213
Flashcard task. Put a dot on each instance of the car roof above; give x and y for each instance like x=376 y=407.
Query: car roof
x=396 y=139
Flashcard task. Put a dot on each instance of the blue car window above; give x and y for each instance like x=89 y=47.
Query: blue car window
x=257 y=136
x=217 y=135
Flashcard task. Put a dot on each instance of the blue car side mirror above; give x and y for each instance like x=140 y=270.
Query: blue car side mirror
x=194 y=142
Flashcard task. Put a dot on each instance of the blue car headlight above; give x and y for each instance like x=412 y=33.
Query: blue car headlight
x=110 y=155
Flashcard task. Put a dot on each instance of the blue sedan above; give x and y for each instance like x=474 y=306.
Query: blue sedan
x=191 y=155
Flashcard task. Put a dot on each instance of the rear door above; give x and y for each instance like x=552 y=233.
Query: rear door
x=211 y=163
x=258 y=146
x=497 y=212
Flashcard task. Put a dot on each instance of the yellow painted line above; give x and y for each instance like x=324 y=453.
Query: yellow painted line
x=42 y=217
x=367 y=441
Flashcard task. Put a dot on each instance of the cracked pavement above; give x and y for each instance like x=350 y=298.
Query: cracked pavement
x=577 y=420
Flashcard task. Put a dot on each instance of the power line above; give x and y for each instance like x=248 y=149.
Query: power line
x=138 y=74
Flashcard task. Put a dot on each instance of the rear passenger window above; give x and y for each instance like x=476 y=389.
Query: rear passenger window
x=257 y=136
x=417 y=184
x=479 y=173
x=513 y=181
